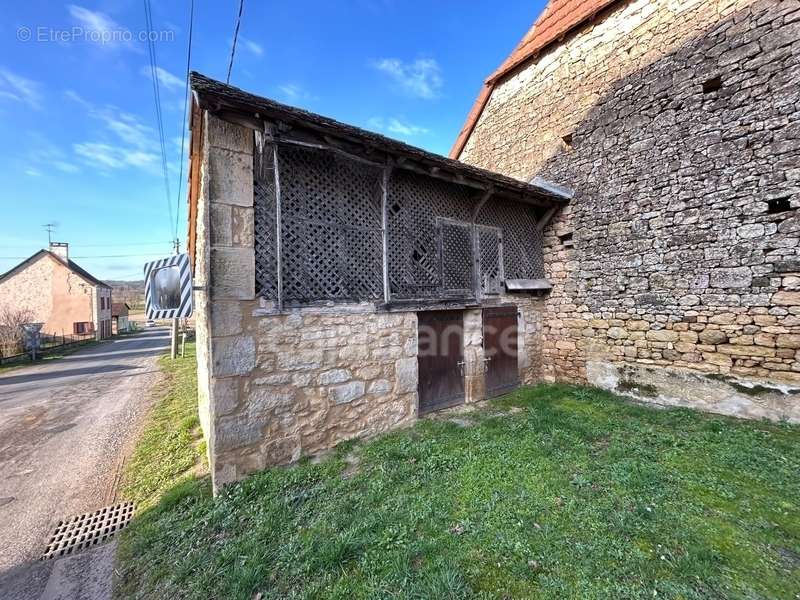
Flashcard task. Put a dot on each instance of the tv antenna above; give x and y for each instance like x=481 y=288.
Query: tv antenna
x=49 y=227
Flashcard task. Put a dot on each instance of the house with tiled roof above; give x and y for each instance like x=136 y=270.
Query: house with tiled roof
x=675 y=268
x=59 y=293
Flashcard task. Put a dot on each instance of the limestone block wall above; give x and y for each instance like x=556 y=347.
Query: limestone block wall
x=678 y=125
x=273 y=387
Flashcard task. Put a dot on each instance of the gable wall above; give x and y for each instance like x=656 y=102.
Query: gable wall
x=56 y=296
x=679 y=284
x=30 y=289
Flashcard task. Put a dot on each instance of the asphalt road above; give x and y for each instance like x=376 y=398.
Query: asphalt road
x=65 y=427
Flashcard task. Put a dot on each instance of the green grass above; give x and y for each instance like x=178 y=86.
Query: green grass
x=574 y=494
x=168 y=452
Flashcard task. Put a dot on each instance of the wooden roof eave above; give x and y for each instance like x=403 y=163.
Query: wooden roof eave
x=363 y=145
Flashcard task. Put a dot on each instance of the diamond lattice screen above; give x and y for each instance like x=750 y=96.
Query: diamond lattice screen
x=414 y=203
x=331 y=235
x=522 y=241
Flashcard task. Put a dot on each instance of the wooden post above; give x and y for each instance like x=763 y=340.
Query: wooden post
x=174 y=345
x=385 y=232
x=278 y=236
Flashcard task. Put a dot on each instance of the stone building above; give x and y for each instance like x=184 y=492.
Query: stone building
x=675 y=268
x=59 y=293
x=346 y=282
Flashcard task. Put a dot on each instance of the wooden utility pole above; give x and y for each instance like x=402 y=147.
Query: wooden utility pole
x=174 y=345
x=174 y=348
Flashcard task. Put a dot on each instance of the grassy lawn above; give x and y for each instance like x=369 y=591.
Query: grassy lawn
x=552 y=492
x=169 y=452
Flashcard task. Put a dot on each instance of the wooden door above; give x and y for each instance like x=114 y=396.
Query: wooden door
x=500 y=349
x=441 y=359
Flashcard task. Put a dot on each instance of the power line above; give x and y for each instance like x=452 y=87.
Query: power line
x=235 y=37
x=185 y=106
x=157 y=100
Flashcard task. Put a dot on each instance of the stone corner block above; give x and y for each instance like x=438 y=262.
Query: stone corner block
x=230 y=177
x=233 y=274
x=224 y=395
x=405 y=371
x=226 y=318
x=233 y=355
x=228 y=136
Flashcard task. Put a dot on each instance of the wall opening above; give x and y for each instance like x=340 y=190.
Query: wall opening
x=712 y=85
x=778 y=205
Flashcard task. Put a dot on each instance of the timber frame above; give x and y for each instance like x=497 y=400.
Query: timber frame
x=298 y=153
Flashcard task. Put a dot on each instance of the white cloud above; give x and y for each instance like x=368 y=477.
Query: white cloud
x=65 y=167
x=294 y=92
x=124 y=141
x=421 y=78
x=94 y=21
x=254 y=48
x=44 y=156
x=99 y=28
x=106 y=156
x=33 y=172
x=165 y=78
x=18 y=88
x=396 y=126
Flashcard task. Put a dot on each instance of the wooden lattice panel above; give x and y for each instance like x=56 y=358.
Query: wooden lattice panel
x=522 y=241
x=331 y=232
x=457 y=262
x=414 y=205
x=490 y=252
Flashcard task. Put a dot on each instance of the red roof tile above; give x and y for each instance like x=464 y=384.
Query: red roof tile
x=558 y=19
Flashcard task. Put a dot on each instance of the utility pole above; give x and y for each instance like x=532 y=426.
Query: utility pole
x=174 y=342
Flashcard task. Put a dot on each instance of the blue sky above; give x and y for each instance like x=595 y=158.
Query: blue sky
x=78 y=142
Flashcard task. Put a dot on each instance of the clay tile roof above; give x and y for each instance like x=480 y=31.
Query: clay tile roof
x=557 y=20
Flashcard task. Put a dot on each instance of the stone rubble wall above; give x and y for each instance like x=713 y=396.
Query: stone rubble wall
x=678 y=125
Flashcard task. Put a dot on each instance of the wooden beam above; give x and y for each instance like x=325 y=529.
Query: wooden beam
x=387 y=172
x=278 y=240
x=546 y=217
x=484 y=199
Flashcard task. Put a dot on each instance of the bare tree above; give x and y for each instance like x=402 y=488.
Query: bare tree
x=11 y=335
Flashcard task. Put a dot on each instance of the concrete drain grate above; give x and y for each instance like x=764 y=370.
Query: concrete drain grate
x=85 y=531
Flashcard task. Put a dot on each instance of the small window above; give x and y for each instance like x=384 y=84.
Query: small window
x=567 y=139
x=778 y=205
x=712 y=85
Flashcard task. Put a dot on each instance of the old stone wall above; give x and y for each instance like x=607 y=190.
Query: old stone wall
x=273 y=387
x=678 y=125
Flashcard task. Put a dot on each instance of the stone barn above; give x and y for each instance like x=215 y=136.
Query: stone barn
x=346 y=282
x=622 y=211
x=675 y=268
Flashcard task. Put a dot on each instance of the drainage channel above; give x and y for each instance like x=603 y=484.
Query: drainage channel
x=87 y=530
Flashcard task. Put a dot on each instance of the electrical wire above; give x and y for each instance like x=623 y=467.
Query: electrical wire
x=184 y=124
x=159 y=117
x=235 y=37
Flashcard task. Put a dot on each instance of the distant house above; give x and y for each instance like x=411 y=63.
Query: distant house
x=119 y=317
x=59 y=293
